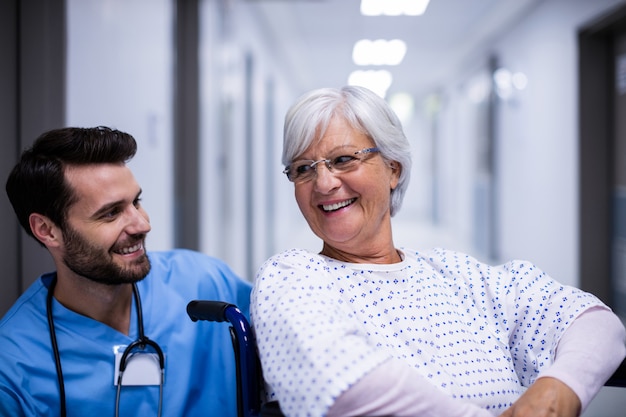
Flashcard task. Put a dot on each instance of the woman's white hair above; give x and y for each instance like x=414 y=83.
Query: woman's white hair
x=308 y=118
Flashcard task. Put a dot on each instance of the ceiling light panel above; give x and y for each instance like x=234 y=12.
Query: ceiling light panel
x=378 y=52
x=393 y=7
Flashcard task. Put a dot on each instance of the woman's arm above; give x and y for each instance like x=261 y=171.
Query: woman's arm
x=588 y=353
x=395 y=389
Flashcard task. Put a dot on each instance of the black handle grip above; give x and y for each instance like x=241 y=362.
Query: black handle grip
x=208 y=310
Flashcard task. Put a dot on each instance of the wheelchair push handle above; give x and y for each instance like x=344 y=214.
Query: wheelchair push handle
x=244 y=345
x=208 y=310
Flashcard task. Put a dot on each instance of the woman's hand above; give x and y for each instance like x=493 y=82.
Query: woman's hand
x=547 y=397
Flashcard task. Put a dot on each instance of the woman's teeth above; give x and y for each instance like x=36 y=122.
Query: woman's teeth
x=337 y=206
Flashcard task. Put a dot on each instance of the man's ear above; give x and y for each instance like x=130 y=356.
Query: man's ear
x=45 y=230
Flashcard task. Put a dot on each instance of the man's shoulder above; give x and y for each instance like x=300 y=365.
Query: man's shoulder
x=25 y=318
x=184 y=256
x=30 y=303
x=192 y=265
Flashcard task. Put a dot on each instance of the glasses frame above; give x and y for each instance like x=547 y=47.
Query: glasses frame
x=328 y=162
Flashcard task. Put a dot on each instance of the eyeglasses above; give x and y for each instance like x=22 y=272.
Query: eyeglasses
x=305 y=170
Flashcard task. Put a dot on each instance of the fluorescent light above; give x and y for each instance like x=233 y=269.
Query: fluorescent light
x=378 y=81
x=507 y=82
x=393 y=7
x=519 y=80
x=378 y=52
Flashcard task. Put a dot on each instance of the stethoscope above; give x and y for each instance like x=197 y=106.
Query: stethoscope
x=141 y=342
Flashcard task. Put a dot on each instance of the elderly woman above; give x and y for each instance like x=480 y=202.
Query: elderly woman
x=366 y=328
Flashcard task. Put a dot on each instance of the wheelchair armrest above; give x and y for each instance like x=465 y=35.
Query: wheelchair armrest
x=618 y=379
x=271 y=409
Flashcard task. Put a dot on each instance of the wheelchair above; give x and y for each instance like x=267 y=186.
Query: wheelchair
x=248 y=373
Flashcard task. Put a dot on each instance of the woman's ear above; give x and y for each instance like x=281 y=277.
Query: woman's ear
x=396 y=170
x=44 y=230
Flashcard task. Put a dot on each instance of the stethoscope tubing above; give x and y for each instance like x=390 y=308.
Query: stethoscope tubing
x=141 y=342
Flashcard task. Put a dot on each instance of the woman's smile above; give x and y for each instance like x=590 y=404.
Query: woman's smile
x=330 y=207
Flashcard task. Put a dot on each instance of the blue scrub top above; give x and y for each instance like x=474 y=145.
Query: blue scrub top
x=199 y=365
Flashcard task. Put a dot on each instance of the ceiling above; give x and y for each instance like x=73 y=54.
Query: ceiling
x=315 y=37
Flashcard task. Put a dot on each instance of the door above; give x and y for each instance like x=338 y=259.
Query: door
x=618 y=229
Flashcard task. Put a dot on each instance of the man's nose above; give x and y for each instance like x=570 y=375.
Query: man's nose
x=138 y=222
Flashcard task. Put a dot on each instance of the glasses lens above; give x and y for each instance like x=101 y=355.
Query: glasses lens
x=300 y=171
x=344 y=163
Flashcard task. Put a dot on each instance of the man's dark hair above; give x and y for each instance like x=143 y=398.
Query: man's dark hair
x=37 y=183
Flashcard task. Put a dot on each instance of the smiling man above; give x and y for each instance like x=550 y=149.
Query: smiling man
x=107 y=330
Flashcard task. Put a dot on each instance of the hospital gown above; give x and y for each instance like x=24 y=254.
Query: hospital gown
x=479 y=333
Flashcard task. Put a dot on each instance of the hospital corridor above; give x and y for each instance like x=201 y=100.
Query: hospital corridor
x=515 y=112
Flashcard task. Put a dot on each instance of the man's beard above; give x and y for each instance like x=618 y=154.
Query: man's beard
x=97 y=264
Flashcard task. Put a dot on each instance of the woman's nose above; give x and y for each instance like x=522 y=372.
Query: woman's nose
x=325 y=180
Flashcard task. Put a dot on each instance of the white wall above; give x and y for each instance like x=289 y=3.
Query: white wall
x=229 y=37
x=537 y=137
x=119 y=74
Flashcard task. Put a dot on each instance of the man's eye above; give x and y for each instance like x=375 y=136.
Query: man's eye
x=343 y=160
x=111 y=213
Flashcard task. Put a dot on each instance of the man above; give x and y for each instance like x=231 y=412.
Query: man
x=65 y=340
